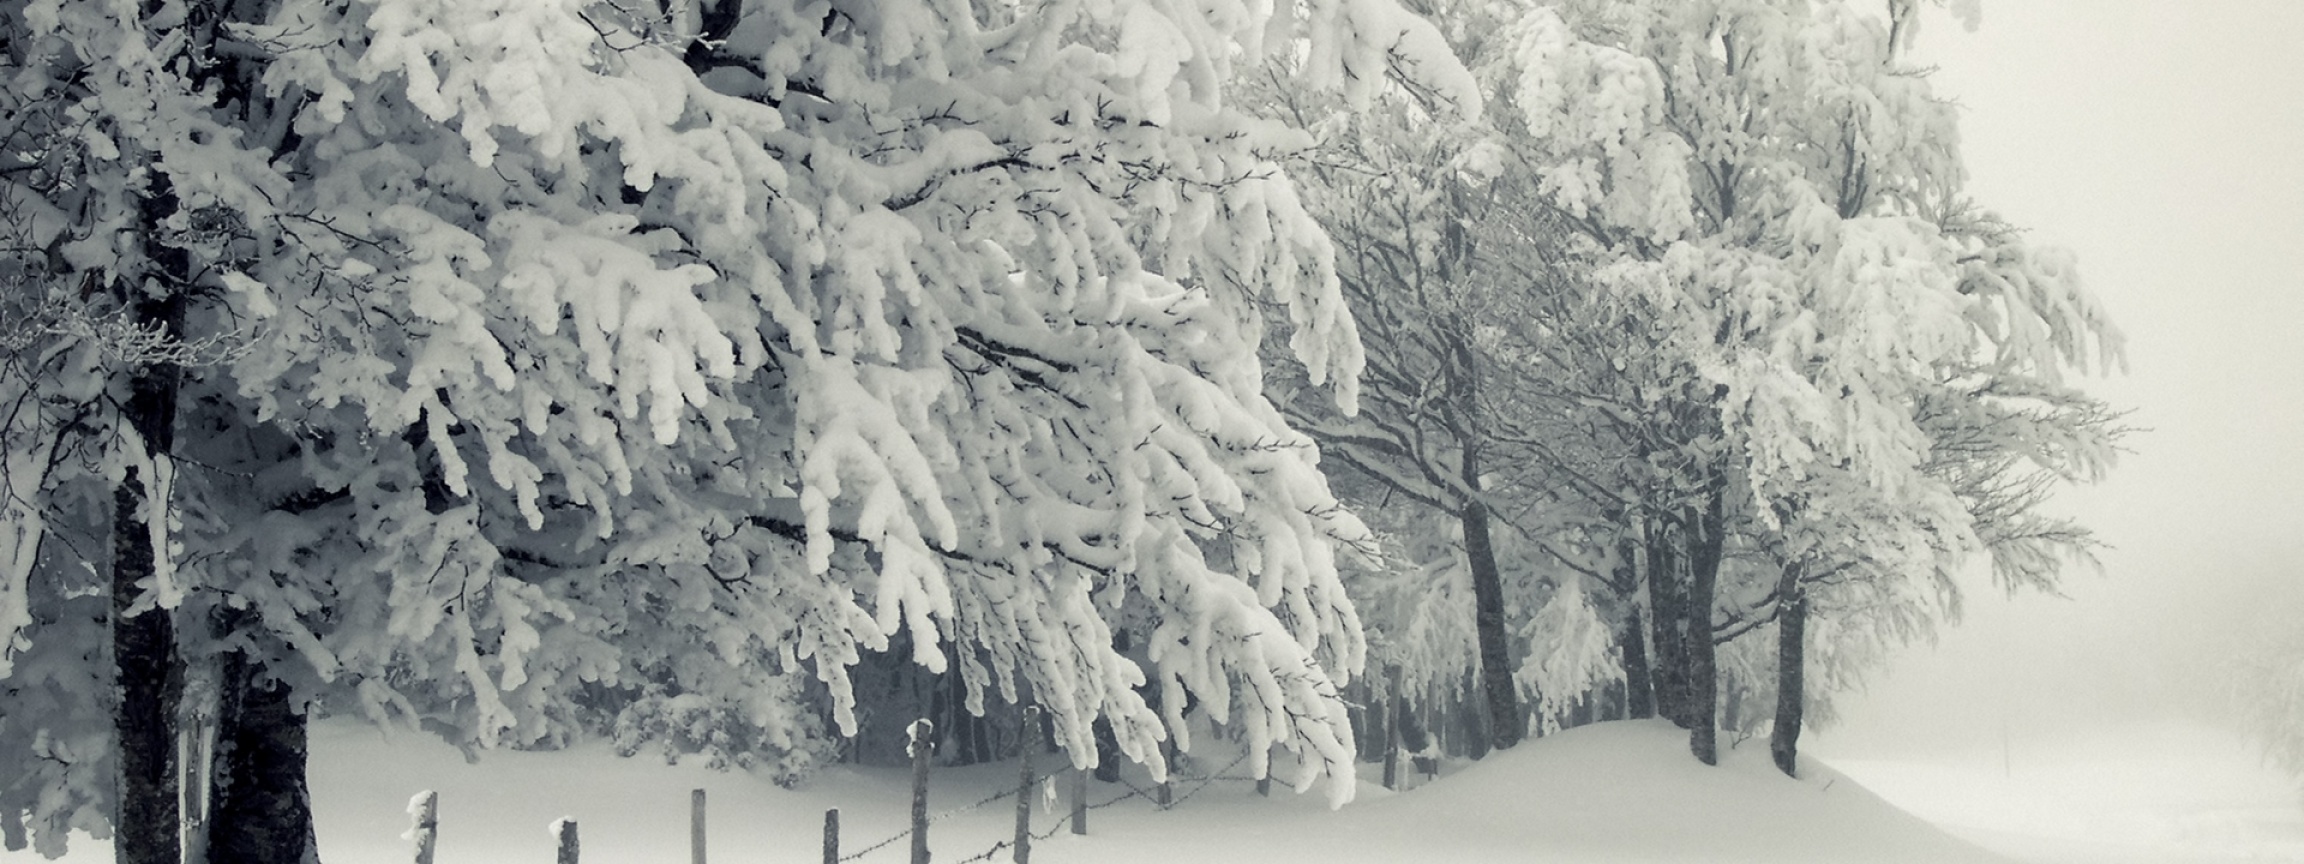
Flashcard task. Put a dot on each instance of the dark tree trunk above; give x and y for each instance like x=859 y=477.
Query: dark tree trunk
x=1107 y=740
x=1667 y=603
x=1503 y=702
x=1393 y=711
x=1639 y=698
x=150 y=674
x=1791 y=677
x=1471 y=716
x=1371 y=723
x=261 y=808
x=1705 y=543
x=151 y=686
x=983 y=737
x=1107 y=751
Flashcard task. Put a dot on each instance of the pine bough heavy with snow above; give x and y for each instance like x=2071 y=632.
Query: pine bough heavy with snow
x=524 y=360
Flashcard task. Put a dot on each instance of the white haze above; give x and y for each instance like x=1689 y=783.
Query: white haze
x=2164 y=143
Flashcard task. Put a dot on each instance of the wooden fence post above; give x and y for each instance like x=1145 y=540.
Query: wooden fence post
x=696 y=826
x=1025 y=743
x=832 y=836
x=1080 y=801
x=426 y=808
x=921 y=746
x=564 y=831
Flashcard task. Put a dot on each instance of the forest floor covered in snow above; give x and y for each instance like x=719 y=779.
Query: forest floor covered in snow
x=1616 y=792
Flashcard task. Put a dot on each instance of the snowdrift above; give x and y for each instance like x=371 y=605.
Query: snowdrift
x=1630 y=792
x=2144 y=791
x=1615 y=792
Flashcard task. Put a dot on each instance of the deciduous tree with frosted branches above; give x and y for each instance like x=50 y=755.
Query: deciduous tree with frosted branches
x=1785 y=294
x=1778 y=190
x=691 y=349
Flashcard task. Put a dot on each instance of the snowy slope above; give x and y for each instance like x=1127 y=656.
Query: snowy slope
x=2164 y=792
x=1617 y=792
x=1614 y=792
x=1629 y=792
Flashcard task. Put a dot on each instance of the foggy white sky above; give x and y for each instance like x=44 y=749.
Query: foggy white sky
x=2164 y=143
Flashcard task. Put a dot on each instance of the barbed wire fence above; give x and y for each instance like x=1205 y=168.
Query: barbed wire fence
x=1059 y=820
x=1134 y=791
x=424 y=809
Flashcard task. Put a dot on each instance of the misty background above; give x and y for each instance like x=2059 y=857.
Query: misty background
x=2163 y=142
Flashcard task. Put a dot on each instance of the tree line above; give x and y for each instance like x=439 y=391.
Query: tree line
x=743 y=376
x=1695 y=340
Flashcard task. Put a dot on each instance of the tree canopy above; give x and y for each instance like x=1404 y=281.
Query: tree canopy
x=523 y=371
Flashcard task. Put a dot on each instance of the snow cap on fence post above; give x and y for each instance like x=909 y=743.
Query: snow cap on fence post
x=425 y=806
x=563 y=832
x=921 y=748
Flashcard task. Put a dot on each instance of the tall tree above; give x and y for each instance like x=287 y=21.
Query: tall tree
x=1451 y=278
x=819 y=325
x=2261 y=683
x=1424 y=431
x=128 y=182
x=1762 y=182
x=773 y=331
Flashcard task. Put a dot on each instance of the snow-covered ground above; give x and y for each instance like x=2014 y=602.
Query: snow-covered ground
x=2165 y=792
x=1619 y=792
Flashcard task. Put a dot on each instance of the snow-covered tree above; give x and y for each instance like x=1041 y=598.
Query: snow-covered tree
x=1704 y=290
x=1455 y=282
x=2262 y=684
x=702 y=349
x=124 y=187
x=828 y=323
x=1767 y=185
x=1424 y=431
x=692 y=349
